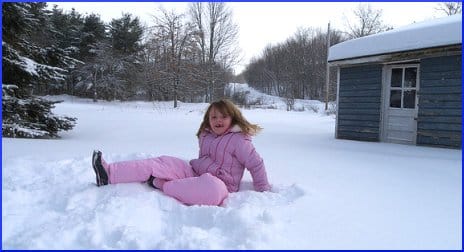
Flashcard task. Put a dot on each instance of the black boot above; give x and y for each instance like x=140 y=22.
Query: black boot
x=150 y=182
x=100 y=173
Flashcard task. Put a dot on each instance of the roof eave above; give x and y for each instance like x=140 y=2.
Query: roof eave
x=455 y=49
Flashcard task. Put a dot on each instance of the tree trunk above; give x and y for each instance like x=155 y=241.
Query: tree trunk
x=95 y=85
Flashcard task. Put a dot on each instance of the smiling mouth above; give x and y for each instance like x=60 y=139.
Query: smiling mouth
x=218 y=126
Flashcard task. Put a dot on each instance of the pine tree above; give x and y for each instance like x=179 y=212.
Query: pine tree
x=111 y=59
x=93 y=41
x=30 y=64
x=126 y=34
x=92 y=33
x=66 y=31
x=30 y=117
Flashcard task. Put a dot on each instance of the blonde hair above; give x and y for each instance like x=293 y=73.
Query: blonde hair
x=228 y=108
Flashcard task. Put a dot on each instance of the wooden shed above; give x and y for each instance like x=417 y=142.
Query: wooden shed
x=402 y=86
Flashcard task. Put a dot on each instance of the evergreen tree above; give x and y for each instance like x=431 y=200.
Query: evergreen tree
x=93 y=42
x=112 y=60
x=125 y=66
x=30 y=64
x=92 y=33
x=126 y=34
x=30 y=117
x=66 y=31
x=31 y=59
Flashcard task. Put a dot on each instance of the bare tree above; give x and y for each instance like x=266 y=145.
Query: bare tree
x=152 y=79
x=295 y=69
x=223 y=34
x=217 y=39
x=367 y=21
x=176 y=34
x=450 y=8
x=197 y=16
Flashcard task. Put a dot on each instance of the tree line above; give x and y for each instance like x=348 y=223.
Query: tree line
x=187 y=57
x=297 y=67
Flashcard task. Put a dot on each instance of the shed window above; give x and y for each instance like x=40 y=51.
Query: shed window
x=410 y=74
x=403 y=85
x=397 y=77
x=409 y=99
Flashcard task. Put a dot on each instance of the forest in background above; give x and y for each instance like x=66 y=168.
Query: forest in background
x=185 y=57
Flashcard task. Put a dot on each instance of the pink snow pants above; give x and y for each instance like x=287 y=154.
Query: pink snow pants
x=174 y=176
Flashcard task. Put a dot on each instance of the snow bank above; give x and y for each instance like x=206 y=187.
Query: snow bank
x=256 y=99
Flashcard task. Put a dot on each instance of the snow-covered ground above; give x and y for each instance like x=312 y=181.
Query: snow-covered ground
x=327 y=193
x=260 y=100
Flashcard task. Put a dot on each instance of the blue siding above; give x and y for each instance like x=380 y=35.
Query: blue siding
x=439 y=121
x=359 y=103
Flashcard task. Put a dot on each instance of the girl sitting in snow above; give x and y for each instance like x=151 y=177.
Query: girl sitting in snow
x=225 y=151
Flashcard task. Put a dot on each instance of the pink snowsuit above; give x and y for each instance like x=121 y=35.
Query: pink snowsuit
x=206 y=180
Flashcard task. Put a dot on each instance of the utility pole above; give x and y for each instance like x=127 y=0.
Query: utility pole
x=327 y=70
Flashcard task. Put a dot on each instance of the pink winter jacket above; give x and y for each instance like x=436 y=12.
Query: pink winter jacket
x=226 y=156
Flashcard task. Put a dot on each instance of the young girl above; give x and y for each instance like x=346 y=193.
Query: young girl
x=225 y=151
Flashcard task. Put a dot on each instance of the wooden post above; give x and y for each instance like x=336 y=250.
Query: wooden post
x=327 y=70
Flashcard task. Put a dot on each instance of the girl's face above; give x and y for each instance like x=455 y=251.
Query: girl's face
x=219 y=123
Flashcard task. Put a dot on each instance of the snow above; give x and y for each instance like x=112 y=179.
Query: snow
x=30 y=66
x=327 y=193
x=14 y=127
x=261 y=100
x=432 y=33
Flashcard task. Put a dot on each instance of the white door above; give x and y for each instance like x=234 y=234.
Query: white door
x=400 y=104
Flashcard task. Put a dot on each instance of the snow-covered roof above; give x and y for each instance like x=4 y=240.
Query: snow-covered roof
x=432 y=33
